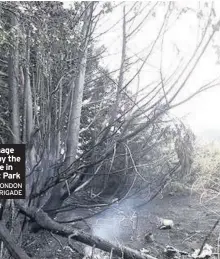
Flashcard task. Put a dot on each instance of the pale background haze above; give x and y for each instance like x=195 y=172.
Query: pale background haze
x=202 y=112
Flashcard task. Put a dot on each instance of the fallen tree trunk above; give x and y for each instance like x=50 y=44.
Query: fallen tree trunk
x=15 y=251
x=43 y=220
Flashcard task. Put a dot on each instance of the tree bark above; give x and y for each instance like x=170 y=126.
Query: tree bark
x=13 y=80
x=59 y=121
x=58 y=192
x=77 y=94
x=28 y=115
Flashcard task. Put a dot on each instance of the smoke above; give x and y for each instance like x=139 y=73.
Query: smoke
x=119 y=220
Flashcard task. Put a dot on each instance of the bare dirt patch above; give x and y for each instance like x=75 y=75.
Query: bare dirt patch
x=193 y=220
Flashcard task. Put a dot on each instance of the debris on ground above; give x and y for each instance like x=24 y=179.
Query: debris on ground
x=144 y=251
x=149 y=237
x=166 y=224
x=205 y=253
x=172 y=252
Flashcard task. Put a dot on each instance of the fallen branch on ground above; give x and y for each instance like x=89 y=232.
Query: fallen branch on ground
x=43 y=220
x=15 y=251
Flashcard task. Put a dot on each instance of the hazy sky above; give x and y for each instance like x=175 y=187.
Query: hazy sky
x=202 y=112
